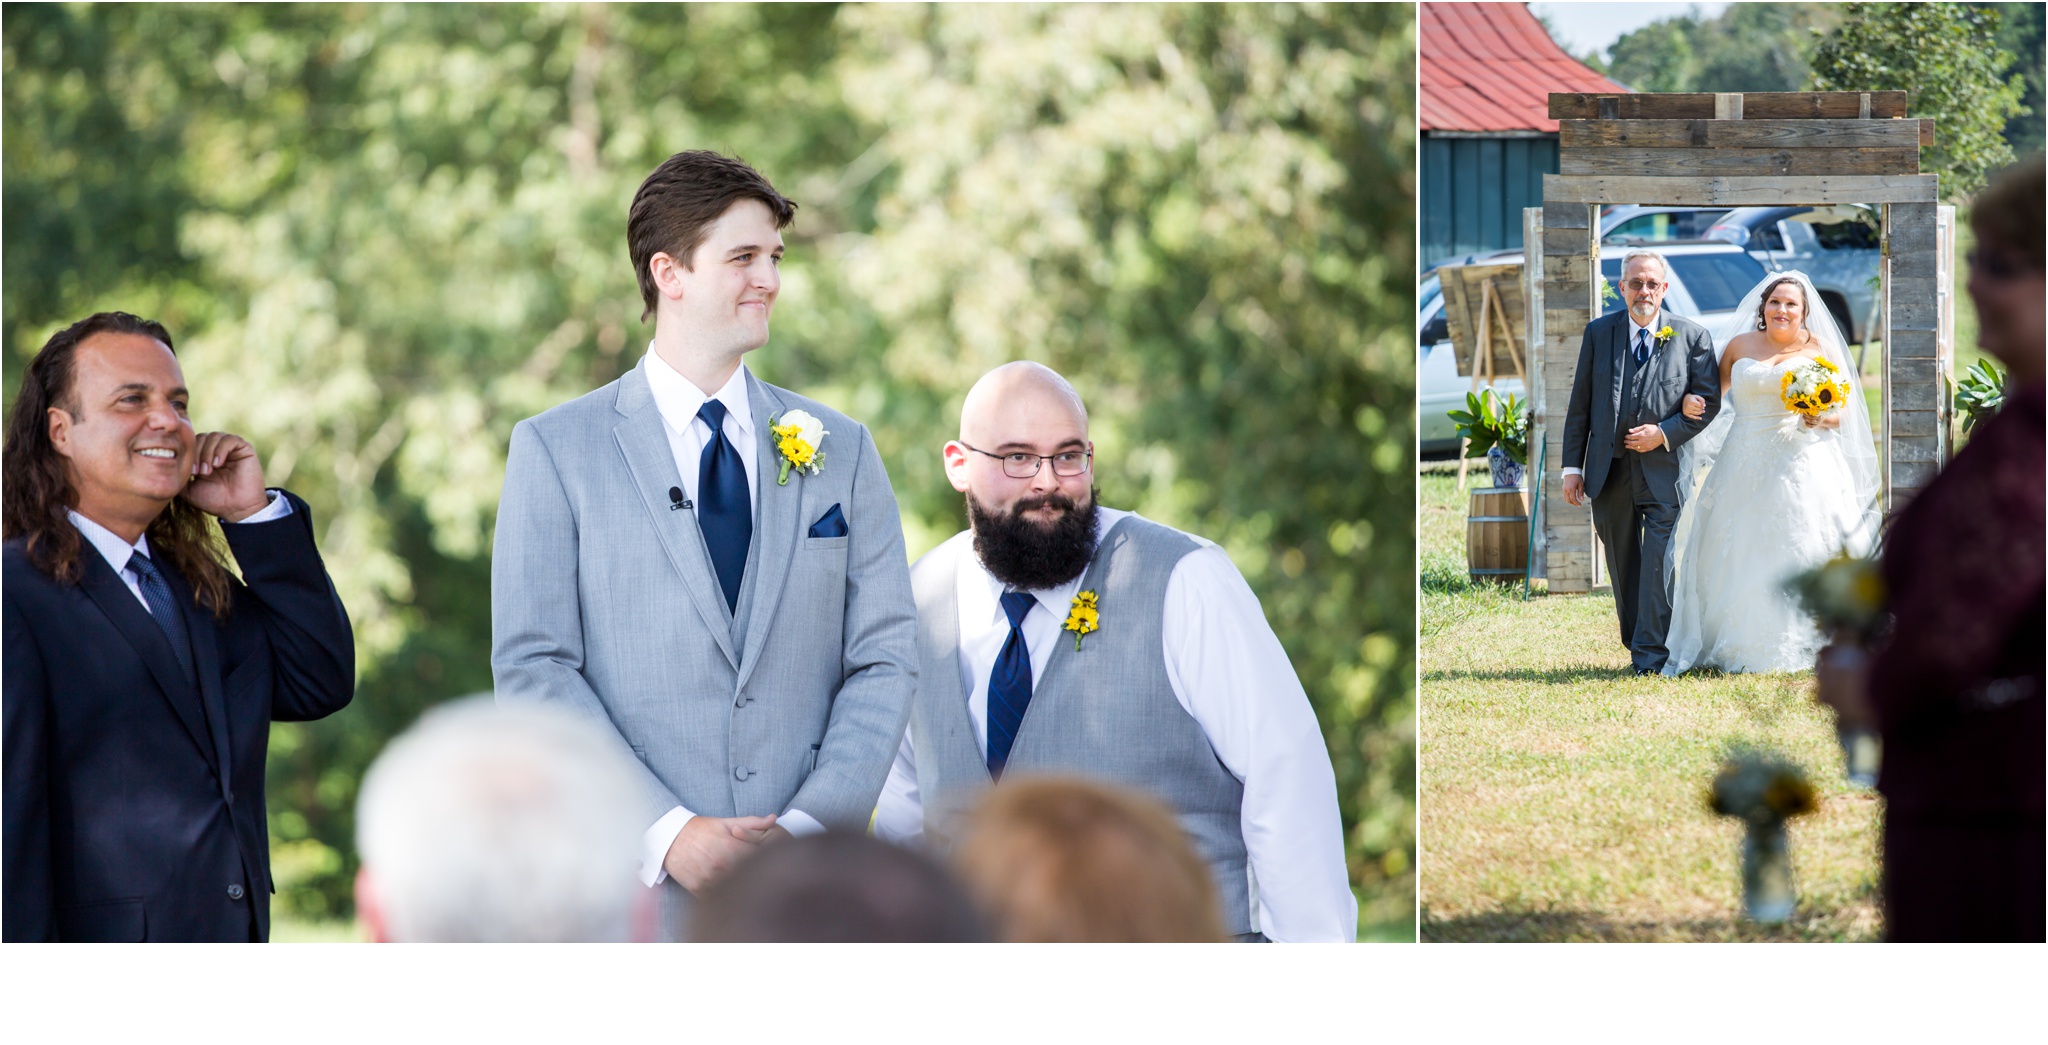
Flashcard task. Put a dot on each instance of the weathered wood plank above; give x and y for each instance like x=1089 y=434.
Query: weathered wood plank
x=1909 y=371
x=1914 y=315
x=1567 y=216
x=1916 y=423
x=1914 y=396
x=1759 y=163
x=1915 y=449
x=1907 y=236
x=1567 y=242
x=1912 y=287
x=1790 y=105
x=1739 y=191
x=1565 y=325
x=1907 y=212
x=1909 y=476
x=1741 y=134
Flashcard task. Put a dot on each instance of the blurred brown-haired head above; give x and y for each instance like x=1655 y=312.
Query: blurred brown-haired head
x=1062 y=860
x=835 y=887
x=2009 y=212
x=677 y=203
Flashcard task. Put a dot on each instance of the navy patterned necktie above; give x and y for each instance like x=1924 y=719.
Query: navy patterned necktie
x=164 y=609
x=1642 y=346
x=722 y=509
x=1009 y=685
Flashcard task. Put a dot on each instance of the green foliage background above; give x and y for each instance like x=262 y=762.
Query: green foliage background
x=383 y=235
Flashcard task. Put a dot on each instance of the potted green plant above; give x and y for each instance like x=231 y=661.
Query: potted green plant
x=1979 y=394
x=1498 y=430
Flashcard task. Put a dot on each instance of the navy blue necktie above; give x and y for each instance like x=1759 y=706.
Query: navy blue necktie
x=722 y=509
x=1642 y=347
x=1009 y=685
x=164 y=609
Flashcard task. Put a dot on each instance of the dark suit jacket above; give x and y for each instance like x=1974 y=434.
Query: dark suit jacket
x=134 y=800
x=1684 y=365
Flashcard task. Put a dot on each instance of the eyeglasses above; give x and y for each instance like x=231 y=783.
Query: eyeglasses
x=1995 y=263
x=1066 y=464
x=1642 y=286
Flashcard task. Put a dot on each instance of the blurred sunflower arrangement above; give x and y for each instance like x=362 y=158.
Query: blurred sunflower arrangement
x=1815 y=388
x=1761 y=788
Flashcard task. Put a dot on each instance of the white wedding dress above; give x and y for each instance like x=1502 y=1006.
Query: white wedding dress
x=1777 y=499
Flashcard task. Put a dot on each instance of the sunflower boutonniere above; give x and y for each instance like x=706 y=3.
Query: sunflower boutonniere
x=1082 y=617
x=1664 y=335
x=797 y=438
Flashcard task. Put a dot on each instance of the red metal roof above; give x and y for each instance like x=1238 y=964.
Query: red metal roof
x=1491 y=67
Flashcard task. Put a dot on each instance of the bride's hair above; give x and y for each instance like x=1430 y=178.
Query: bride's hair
x=1805 y=307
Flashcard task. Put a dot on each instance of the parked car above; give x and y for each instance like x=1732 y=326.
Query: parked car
x=1708 y=279
x=1836 y=246
x=1629 y=223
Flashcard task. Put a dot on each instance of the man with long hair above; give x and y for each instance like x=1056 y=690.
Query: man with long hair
x=141 y=677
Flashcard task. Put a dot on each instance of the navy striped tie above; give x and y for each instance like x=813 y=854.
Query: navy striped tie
x=164 y=609
x=1009 y=685
x=1642 y=346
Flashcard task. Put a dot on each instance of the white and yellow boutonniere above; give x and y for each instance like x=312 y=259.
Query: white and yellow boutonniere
x=1082 y=617
x=797 y=438
x=1664 y=335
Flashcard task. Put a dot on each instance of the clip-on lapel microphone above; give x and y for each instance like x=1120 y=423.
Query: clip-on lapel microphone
x=675 y=499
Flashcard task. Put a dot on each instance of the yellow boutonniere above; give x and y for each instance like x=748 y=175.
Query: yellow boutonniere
x=1082 y=617
x=1665 y=334
x=797 y=439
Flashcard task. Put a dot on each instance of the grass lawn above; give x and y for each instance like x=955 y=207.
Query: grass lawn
x=1562 y=799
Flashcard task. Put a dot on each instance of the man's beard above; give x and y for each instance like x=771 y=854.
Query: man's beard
x=1029 y=557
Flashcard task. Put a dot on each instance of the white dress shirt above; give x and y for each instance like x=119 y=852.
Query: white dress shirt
x=679 y=400
x=117 y=552
x=1635 y=330
x=1228 y=670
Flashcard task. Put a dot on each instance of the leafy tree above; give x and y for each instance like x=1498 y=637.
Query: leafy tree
x=2020 y=34
x=1946 y=57
x=1747 y=47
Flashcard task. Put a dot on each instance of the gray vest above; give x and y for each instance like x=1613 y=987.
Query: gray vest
x=1635 y=381
x=1106 y=711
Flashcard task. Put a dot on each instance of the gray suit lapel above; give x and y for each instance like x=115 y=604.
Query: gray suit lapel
x=643 y=441
x=777 y=515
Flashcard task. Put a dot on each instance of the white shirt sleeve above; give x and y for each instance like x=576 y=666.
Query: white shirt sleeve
x=899 y=814
x=655 y=843
x=1572 y=470
x=1229 y=671
x=799 y=823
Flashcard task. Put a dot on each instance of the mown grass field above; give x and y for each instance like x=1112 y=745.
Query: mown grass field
x=1562 y=799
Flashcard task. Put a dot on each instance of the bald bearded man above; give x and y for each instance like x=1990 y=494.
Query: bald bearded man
x=1181 y=690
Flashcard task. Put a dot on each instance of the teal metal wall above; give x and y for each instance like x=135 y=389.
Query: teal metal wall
x=1474 y=189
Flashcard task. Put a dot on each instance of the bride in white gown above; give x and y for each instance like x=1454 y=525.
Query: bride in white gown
x=1766 y=493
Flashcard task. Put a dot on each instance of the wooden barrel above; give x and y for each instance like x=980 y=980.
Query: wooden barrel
x=1497 y=534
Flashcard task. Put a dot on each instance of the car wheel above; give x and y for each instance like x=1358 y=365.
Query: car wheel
x=1839 y=309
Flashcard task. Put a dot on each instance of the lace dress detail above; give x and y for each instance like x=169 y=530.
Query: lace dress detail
x=1779 y=500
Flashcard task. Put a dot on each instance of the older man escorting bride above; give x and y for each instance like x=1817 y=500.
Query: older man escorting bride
x=1767 y=492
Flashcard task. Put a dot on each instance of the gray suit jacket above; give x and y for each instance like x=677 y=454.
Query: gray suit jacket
x=603 y=600
x=1684 y=366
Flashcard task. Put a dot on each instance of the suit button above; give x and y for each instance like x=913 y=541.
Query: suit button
x=235 y=891
x=740 y=772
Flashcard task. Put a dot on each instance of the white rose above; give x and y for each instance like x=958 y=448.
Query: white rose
x=809 y=429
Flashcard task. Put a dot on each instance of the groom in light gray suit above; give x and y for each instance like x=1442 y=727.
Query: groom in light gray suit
x=741 y=624
x=1622 y=432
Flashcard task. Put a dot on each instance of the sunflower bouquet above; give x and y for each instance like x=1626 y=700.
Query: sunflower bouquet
x=1814 y=389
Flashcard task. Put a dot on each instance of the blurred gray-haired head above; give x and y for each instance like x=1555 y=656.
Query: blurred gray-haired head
x=1663 y=266
x=486 y=823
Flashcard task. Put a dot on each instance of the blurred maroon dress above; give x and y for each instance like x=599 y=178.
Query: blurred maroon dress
x=1959 y=692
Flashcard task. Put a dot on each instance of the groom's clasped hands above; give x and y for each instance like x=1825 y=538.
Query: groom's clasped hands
x=709 y=845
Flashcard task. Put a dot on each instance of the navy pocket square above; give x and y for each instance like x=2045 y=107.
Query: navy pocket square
x=831 y=524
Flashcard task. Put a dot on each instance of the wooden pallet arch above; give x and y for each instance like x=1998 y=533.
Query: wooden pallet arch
x=1739 y=150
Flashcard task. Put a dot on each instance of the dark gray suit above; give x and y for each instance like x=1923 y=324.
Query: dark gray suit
x=1635 y=495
